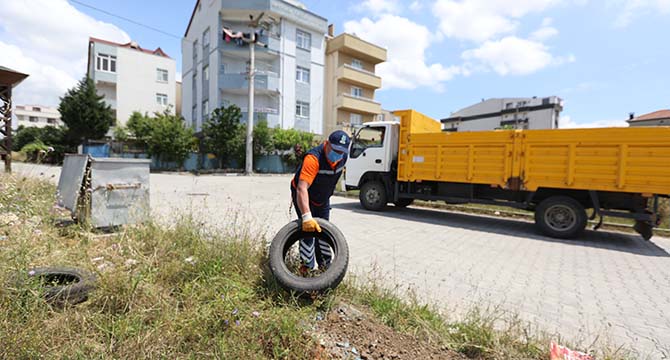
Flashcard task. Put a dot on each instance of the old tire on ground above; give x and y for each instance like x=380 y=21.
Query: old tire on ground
x=64 y=285
x=561 y=217
x=403 y=202
x=373 y=196
x=292 y=233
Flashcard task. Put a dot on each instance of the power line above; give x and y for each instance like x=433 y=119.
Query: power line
x=127 y=19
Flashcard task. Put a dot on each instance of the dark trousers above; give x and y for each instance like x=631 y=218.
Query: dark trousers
x=311 y=251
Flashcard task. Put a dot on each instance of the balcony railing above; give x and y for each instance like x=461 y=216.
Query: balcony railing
x=262 y=82
x=273 y=46
x=358 y=104
x=360 y=77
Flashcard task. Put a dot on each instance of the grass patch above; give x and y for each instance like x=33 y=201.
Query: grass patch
x=185 y=292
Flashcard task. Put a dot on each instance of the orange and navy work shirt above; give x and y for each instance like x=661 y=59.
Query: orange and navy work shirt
x=321 y=175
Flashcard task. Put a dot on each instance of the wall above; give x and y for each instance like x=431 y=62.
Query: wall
x=206 y=17
x=137 y=85
x=347 y=59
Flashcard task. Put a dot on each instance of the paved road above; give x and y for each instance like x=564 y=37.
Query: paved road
x=613 y=285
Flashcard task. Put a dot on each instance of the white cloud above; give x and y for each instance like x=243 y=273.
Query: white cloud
x=635 y=8
x=566 y=122
x=406 y=43
x=513 y=56
x=545 y=32
x=481 y=20
x=378 y=7
x=48 y=39
x=416 y=6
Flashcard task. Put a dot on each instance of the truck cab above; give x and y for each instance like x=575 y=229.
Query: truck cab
x=374 y=150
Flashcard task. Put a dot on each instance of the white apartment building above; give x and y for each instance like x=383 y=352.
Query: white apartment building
x=132 y=78
x=499 y=113
x=289 y=80
x=37 y=116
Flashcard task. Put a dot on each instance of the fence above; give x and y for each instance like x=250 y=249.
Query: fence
x=195 y=162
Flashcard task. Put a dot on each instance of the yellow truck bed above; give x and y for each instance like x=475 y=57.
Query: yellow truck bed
x=633 y=160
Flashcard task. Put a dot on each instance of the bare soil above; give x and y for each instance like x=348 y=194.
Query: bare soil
x=352 y=333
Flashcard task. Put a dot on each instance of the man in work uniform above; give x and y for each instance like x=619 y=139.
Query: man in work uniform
x=311 y=188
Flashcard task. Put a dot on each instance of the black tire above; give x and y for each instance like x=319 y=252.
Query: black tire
x=373 y=196
x=292 y=233
x=403 y=202
x=561 y=217
x=63 y=285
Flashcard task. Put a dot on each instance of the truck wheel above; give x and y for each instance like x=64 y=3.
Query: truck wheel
x=561 y=217
x=373 y=196
x=281 y=260
x=403 y=202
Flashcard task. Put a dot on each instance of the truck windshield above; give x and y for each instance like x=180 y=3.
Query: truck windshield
x=367 y=137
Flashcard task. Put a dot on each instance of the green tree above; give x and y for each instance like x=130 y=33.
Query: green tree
x=121 y=133
x=224 y=136
x=262 y=138
x=169 y=139
x=140 y=126
x=25 y=136
x=84 y=112
x=49 y=136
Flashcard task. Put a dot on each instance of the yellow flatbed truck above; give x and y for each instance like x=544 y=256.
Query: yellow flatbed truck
x=558 y=174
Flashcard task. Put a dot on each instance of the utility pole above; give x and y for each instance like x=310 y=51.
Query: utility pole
x=253 y=24
x=249 y=166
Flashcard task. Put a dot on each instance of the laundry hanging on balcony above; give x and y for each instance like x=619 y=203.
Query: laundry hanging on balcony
x=239 y=37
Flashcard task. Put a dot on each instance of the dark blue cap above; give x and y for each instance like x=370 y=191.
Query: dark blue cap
x=339 y=140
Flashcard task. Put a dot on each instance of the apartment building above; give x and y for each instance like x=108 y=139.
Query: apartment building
x=499 y=113
x=289 y=72
x=132 y=78
x=37 y=116
x=351 y=81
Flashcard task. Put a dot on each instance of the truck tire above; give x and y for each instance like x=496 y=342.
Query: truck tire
x=561 y=217
x=292 y=233
x=402 y=203
x=373 y=196
x=63 y=285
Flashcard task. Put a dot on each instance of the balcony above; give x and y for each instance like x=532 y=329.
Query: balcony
x=358 y=104
x=238 y=83
x=358 y=77
x=357 y=48
x=262 y=53
x=272 y=117
x=104 y=77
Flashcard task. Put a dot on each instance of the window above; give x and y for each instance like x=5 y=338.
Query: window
x=33 y=119
x=194 y=88
x=302 y=109
x=509 y=105
x=205 y=108
x=303 y=40
x=356 y=119
x=106 y=63
x=356 y=91
x=161 y=75
x=357 y=64
x=51 y=120
x=37 y=109
x=367 y=137
x=195 y=51
x=205 y=73
x=161 y=99
x=205 y=39
x=302 y=74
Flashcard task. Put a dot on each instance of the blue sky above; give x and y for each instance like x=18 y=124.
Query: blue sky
x=604 y=58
